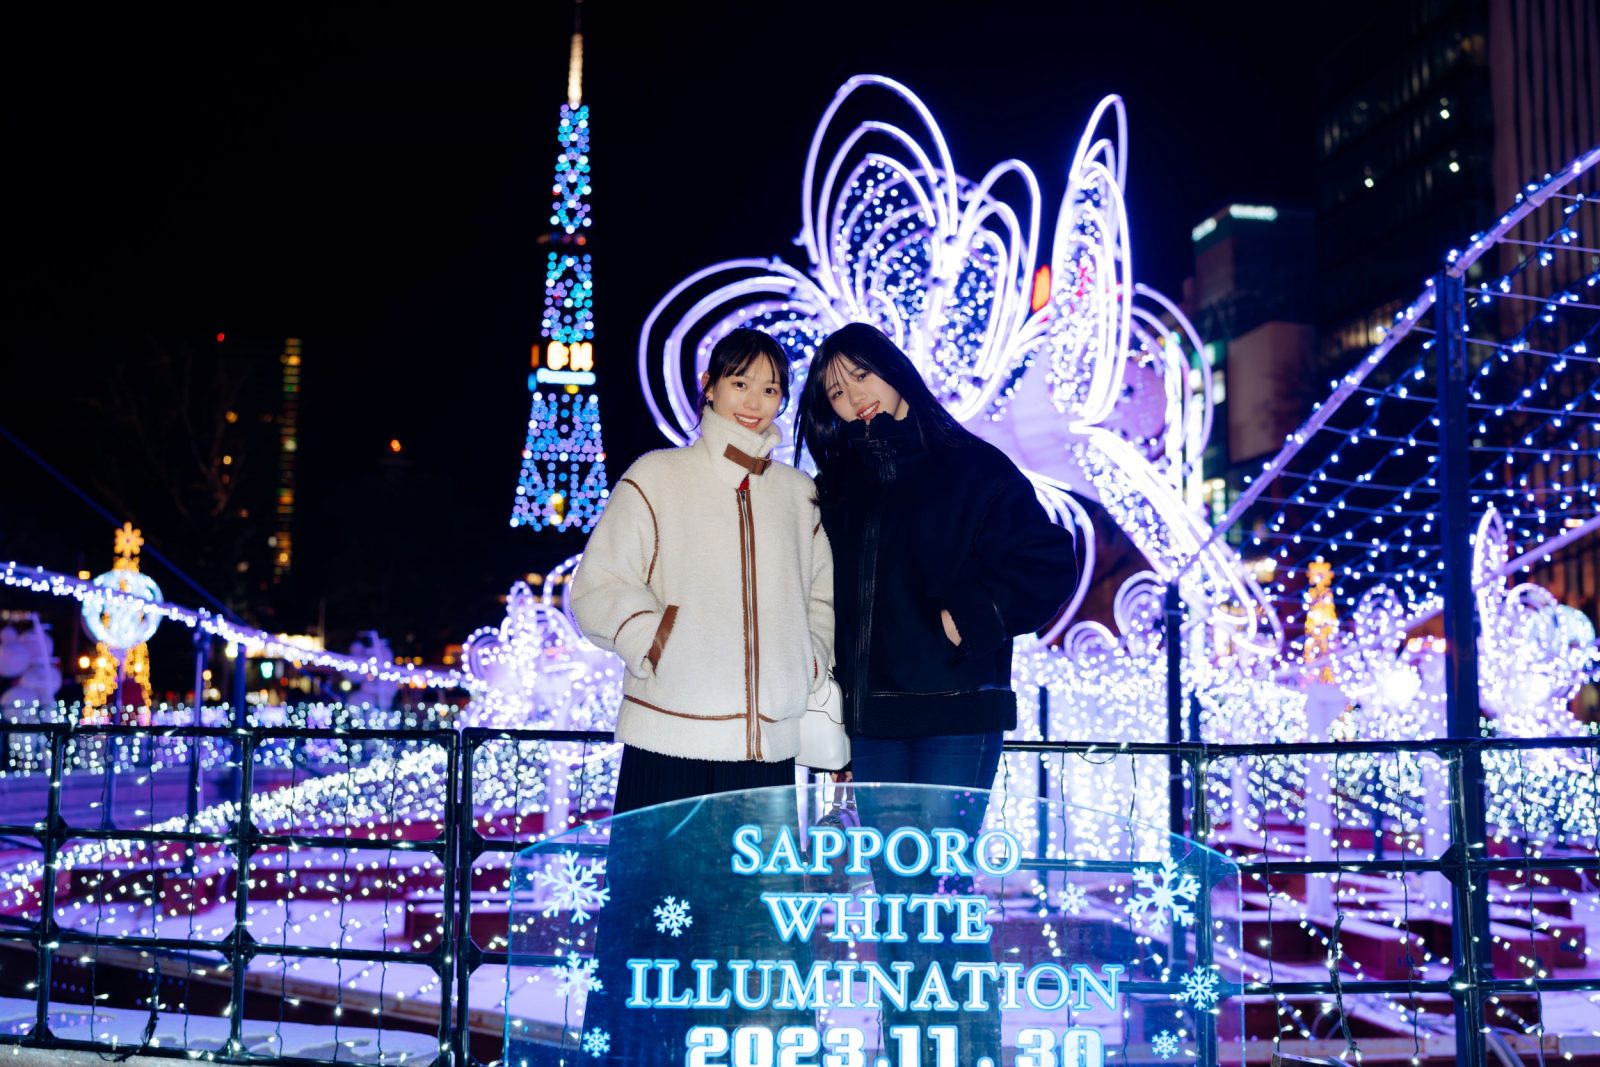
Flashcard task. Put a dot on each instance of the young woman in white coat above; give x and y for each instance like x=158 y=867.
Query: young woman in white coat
x=710 y=575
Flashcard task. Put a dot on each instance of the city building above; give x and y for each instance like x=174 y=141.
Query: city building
x=1252 y=299
x=1432 y=113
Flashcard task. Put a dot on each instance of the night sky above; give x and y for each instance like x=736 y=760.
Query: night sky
x=372 y=179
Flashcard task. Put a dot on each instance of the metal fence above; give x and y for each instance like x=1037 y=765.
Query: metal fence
x=113 y=924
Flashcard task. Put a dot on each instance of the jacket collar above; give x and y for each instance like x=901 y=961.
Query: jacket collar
x=734 y=452
x=883 y=445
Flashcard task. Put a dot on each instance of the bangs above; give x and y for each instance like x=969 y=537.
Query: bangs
x=750 y=359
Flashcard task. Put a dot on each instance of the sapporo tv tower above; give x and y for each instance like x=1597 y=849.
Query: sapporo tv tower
x=563 y=481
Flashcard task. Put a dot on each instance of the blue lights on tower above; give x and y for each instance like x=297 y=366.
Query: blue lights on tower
x=563 y=483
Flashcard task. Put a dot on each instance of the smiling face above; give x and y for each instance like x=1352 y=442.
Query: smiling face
x=750 y=397
x=857 y=393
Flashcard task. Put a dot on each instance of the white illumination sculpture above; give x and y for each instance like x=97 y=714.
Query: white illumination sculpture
x=536 y=670
x=27 y=656
x=1086 y=384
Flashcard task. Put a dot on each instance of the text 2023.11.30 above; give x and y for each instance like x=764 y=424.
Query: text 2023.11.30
x=845 y=1046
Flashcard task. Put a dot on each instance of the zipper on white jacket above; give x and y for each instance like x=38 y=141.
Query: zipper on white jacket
x=752 y=626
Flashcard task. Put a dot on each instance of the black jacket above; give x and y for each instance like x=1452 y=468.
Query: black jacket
x=918 y=530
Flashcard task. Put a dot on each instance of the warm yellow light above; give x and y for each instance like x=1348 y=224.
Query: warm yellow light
x=575 y=72
x=1041 y=288
x=558 y=355
x=227 y=461
x=231 y=416
x=582 y=356
x=83 y=663
x=84 y=575
x=394 y=445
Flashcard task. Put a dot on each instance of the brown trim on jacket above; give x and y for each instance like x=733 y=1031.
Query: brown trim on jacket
x=753 y=464
x=655 y=529
x=685 y=715
x=626 y=621
x=678 y=714
x=658 y=644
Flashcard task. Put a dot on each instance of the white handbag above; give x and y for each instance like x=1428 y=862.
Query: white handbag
x=824 y=745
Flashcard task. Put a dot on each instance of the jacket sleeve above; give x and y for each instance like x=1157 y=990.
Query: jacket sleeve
x=1022 y=569
x=819 y=609
x=610 y=596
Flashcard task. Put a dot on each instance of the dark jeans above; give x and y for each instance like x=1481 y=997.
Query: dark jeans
x=968 y=762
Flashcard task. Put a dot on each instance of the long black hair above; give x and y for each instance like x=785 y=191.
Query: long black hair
x=736 y=352
x=819 y=429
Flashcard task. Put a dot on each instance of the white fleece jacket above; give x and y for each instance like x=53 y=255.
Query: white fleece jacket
x=719 y=600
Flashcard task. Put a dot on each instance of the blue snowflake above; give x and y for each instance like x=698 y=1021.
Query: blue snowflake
x=576 y=978
x=573 y=888
x=1165 y=1044
x=1201 y=989
x=597 y=1042
x=1162 y=892
x=673 y=916
x=1074 y=898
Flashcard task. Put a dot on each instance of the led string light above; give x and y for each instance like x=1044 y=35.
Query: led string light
x=1399 y=388
x=259 y=642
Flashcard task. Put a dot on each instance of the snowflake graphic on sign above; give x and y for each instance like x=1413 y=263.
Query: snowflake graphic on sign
x=597 y=1042
x=1073 y=899
x=1200 y=989
x=573 y=888
x=673 y=917
x=1165 y=1044
x=576 y=978
x=1163 y=893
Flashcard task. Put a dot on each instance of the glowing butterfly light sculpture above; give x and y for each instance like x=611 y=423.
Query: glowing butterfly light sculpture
x=1089 y=390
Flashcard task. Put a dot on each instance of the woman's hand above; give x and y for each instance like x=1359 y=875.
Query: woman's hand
x=950 y=630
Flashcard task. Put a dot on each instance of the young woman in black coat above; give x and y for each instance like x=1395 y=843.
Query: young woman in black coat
x=942 y=555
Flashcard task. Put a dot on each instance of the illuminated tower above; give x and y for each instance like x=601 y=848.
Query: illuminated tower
x=563 y=481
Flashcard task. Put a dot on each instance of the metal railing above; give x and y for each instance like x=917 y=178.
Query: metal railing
x=457 y=840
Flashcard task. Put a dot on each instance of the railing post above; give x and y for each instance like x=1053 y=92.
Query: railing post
x=202 y=657
x=460 y=932
x=449 y=1034
x=241 y=684
x=50 y=839
x=1470 y=926
x=1044 y=735
x=240 y=946
x=191 y=802
x=1174 y=633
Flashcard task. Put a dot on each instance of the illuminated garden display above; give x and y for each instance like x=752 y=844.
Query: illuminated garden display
x=1310 y=661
